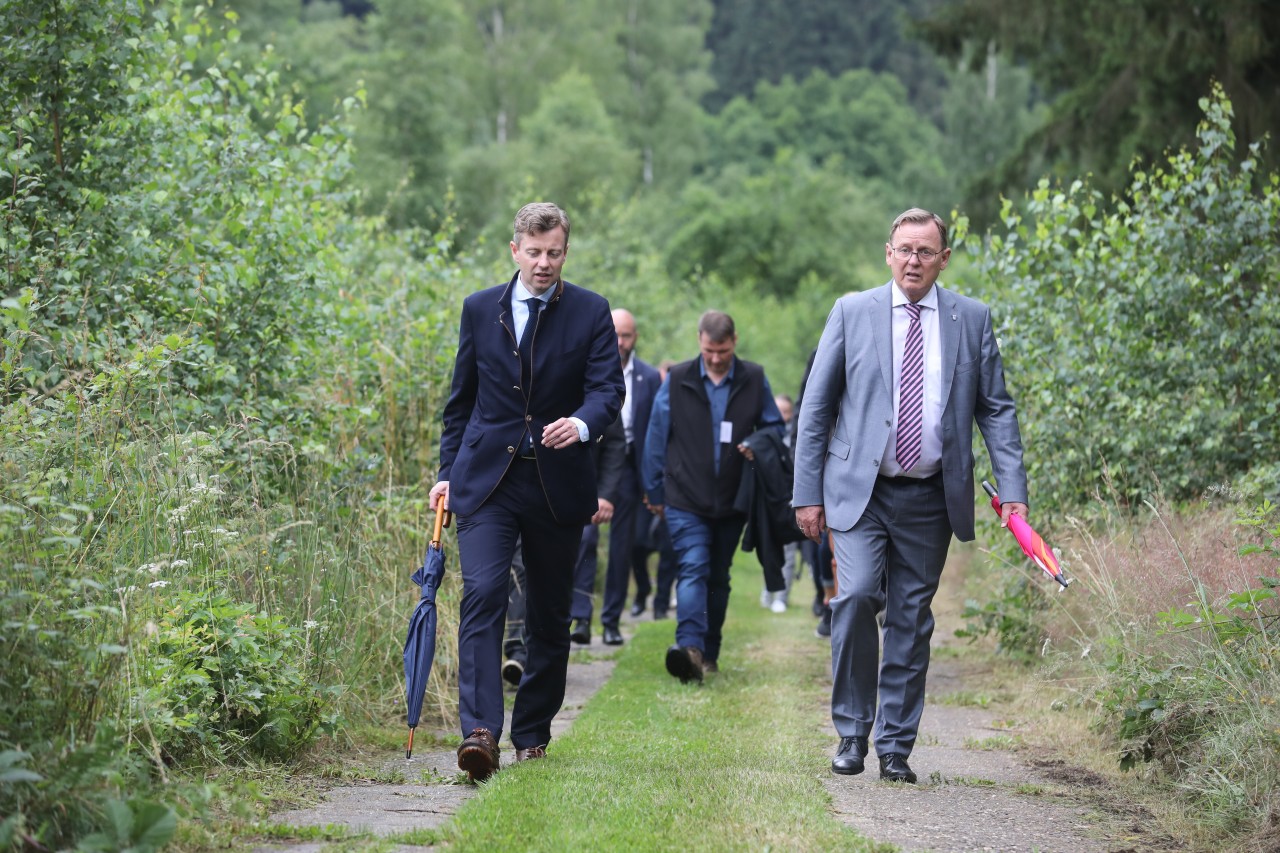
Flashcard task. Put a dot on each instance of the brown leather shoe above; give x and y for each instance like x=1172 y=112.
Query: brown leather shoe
x=685 y=663
x=710 y=666
x=531 y=753
x=478 y=755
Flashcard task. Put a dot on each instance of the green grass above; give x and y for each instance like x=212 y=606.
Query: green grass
x=736 y=764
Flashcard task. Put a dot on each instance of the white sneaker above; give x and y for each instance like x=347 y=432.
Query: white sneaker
x=766 y=598
x=778 y=606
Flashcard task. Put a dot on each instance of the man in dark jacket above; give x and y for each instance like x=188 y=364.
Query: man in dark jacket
x=692 y=467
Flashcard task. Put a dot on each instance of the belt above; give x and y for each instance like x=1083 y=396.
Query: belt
x=904 y=480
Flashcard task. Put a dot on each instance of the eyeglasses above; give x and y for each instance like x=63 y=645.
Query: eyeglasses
x=902 y=253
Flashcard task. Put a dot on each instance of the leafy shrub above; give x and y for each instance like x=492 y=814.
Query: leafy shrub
x=1194 y=695
x=1138 y=330
x=224 y=679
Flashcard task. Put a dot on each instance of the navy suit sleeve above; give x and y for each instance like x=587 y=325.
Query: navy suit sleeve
x=462 y=394
x=604 y=386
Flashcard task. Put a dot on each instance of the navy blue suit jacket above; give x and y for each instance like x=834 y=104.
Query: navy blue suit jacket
x=645 y=382
x=576 y=373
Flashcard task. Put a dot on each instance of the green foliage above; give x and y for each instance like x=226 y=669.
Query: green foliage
x=1014 y=616
x=1193 y=693
x=1137 y=331
x=1125 y=78
x=227 y=680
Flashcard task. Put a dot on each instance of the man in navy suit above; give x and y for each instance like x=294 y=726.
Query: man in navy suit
x=884 y=458
x=642 y=383
x=536 y=381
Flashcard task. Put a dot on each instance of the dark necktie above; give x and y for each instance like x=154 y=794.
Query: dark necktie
x=526 y=359
x=526 y=337
x=911 y=393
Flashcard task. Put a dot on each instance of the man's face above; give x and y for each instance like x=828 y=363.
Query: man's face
x=717 y=356
x=913 y=275
x=540 y=258
x=625 y=325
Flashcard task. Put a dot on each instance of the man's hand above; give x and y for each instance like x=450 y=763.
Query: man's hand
x=1008 y=509
x=440 y=488
x=747 y=452
x=604 y=512
x=811 y=520
x=560 y=434
x=656 y=509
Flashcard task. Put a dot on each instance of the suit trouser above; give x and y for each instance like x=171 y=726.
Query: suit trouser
x=892 y=558
x=513 y=645
x=486 y=546
x=622 y=532
x=584 y=574
x=704 y=553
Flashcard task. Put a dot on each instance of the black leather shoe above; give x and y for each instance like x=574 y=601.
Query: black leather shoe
x=685 y=663
x=894 y=768
x=478 y=755
x=850 y=758
x=581 y=633
x=637 y=609
x=824 y=624
x=612 y=636
x=659 y=613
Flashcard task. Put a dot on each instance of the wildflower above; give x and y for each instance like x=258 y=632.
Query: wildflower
x=310 y=623
x=179 y=564
x=158 y=584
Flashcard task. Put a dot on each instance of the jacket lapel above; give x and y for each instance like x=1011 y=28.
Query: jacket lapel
x=949 y=335
x=882 y=332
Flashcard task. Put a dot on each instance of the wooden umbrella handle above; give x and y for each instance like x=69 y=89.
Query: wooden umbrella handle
x=442 y=520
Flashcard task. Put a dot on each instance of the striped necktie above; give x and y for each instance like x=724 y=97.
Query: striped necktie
x=911 y=393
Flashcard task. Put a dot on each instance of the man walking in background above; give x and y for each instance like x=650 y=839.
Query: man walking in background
x=884 y=458
x=692 y=468
x=642 y=386
x=536 y=380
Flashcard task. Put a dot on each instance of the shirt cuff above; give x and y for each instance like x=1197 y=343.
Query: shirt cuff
x=583 y=433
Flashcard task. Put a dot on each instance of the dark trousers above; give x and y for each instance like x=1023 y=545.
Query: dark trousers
x=584 y=574
x=622 y=531
x=513 y=646
x=486 y=545
x=665 y=576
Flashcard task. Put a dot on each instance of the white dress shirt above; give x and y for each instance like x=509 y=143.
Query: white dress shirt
x=931 y=438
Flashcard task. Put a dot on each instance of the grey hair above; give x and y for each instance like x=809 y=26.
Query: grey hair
x=920 y=216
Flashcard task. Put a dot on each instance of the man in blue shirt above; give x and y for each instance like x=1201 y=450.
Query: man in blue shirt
x=693 y=463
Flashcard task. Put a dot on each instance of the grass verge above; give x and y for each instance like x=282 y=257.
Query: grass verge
x=653 y=764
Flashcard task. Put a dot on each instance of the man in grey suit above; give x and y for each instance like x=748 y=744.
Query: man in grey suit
x=884 y=459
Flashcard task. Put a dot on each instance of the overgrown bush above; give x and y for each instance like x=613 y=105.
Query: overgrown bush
x=1137 y=330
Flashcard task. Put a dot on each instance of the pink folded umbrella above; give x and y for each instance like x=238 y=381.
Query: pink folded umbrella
x=1031 y=542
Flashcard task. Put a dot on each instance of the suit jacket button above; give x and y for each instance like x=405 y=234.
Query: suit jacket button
x=528 y=417
x=515 y=387
x=511 y=449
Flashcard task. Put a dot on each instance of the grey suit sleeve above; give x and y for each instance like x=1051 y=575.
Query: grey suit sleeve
x=997 y=419
x=818 y=410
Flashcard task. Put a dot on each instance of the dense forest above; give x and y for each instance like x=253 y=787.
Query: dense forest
x=236 y=236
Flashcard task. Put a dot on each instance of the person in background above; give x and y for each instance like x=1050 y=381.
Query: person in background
x=642 y=383
x=610 y=463
x=884 y=459
x=692 y=468
x=536 y=381
x=777 y=601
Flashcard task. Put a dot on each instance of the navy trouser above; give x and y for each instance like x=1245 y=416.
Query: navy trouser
x=486 y=545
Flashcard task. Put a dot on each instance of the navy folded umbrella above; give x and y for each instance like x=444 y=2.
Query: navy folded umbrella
x=420 y=645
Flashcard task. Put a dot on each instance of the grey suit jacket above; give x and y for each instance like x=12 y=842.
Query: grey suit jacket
x=847 y=410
